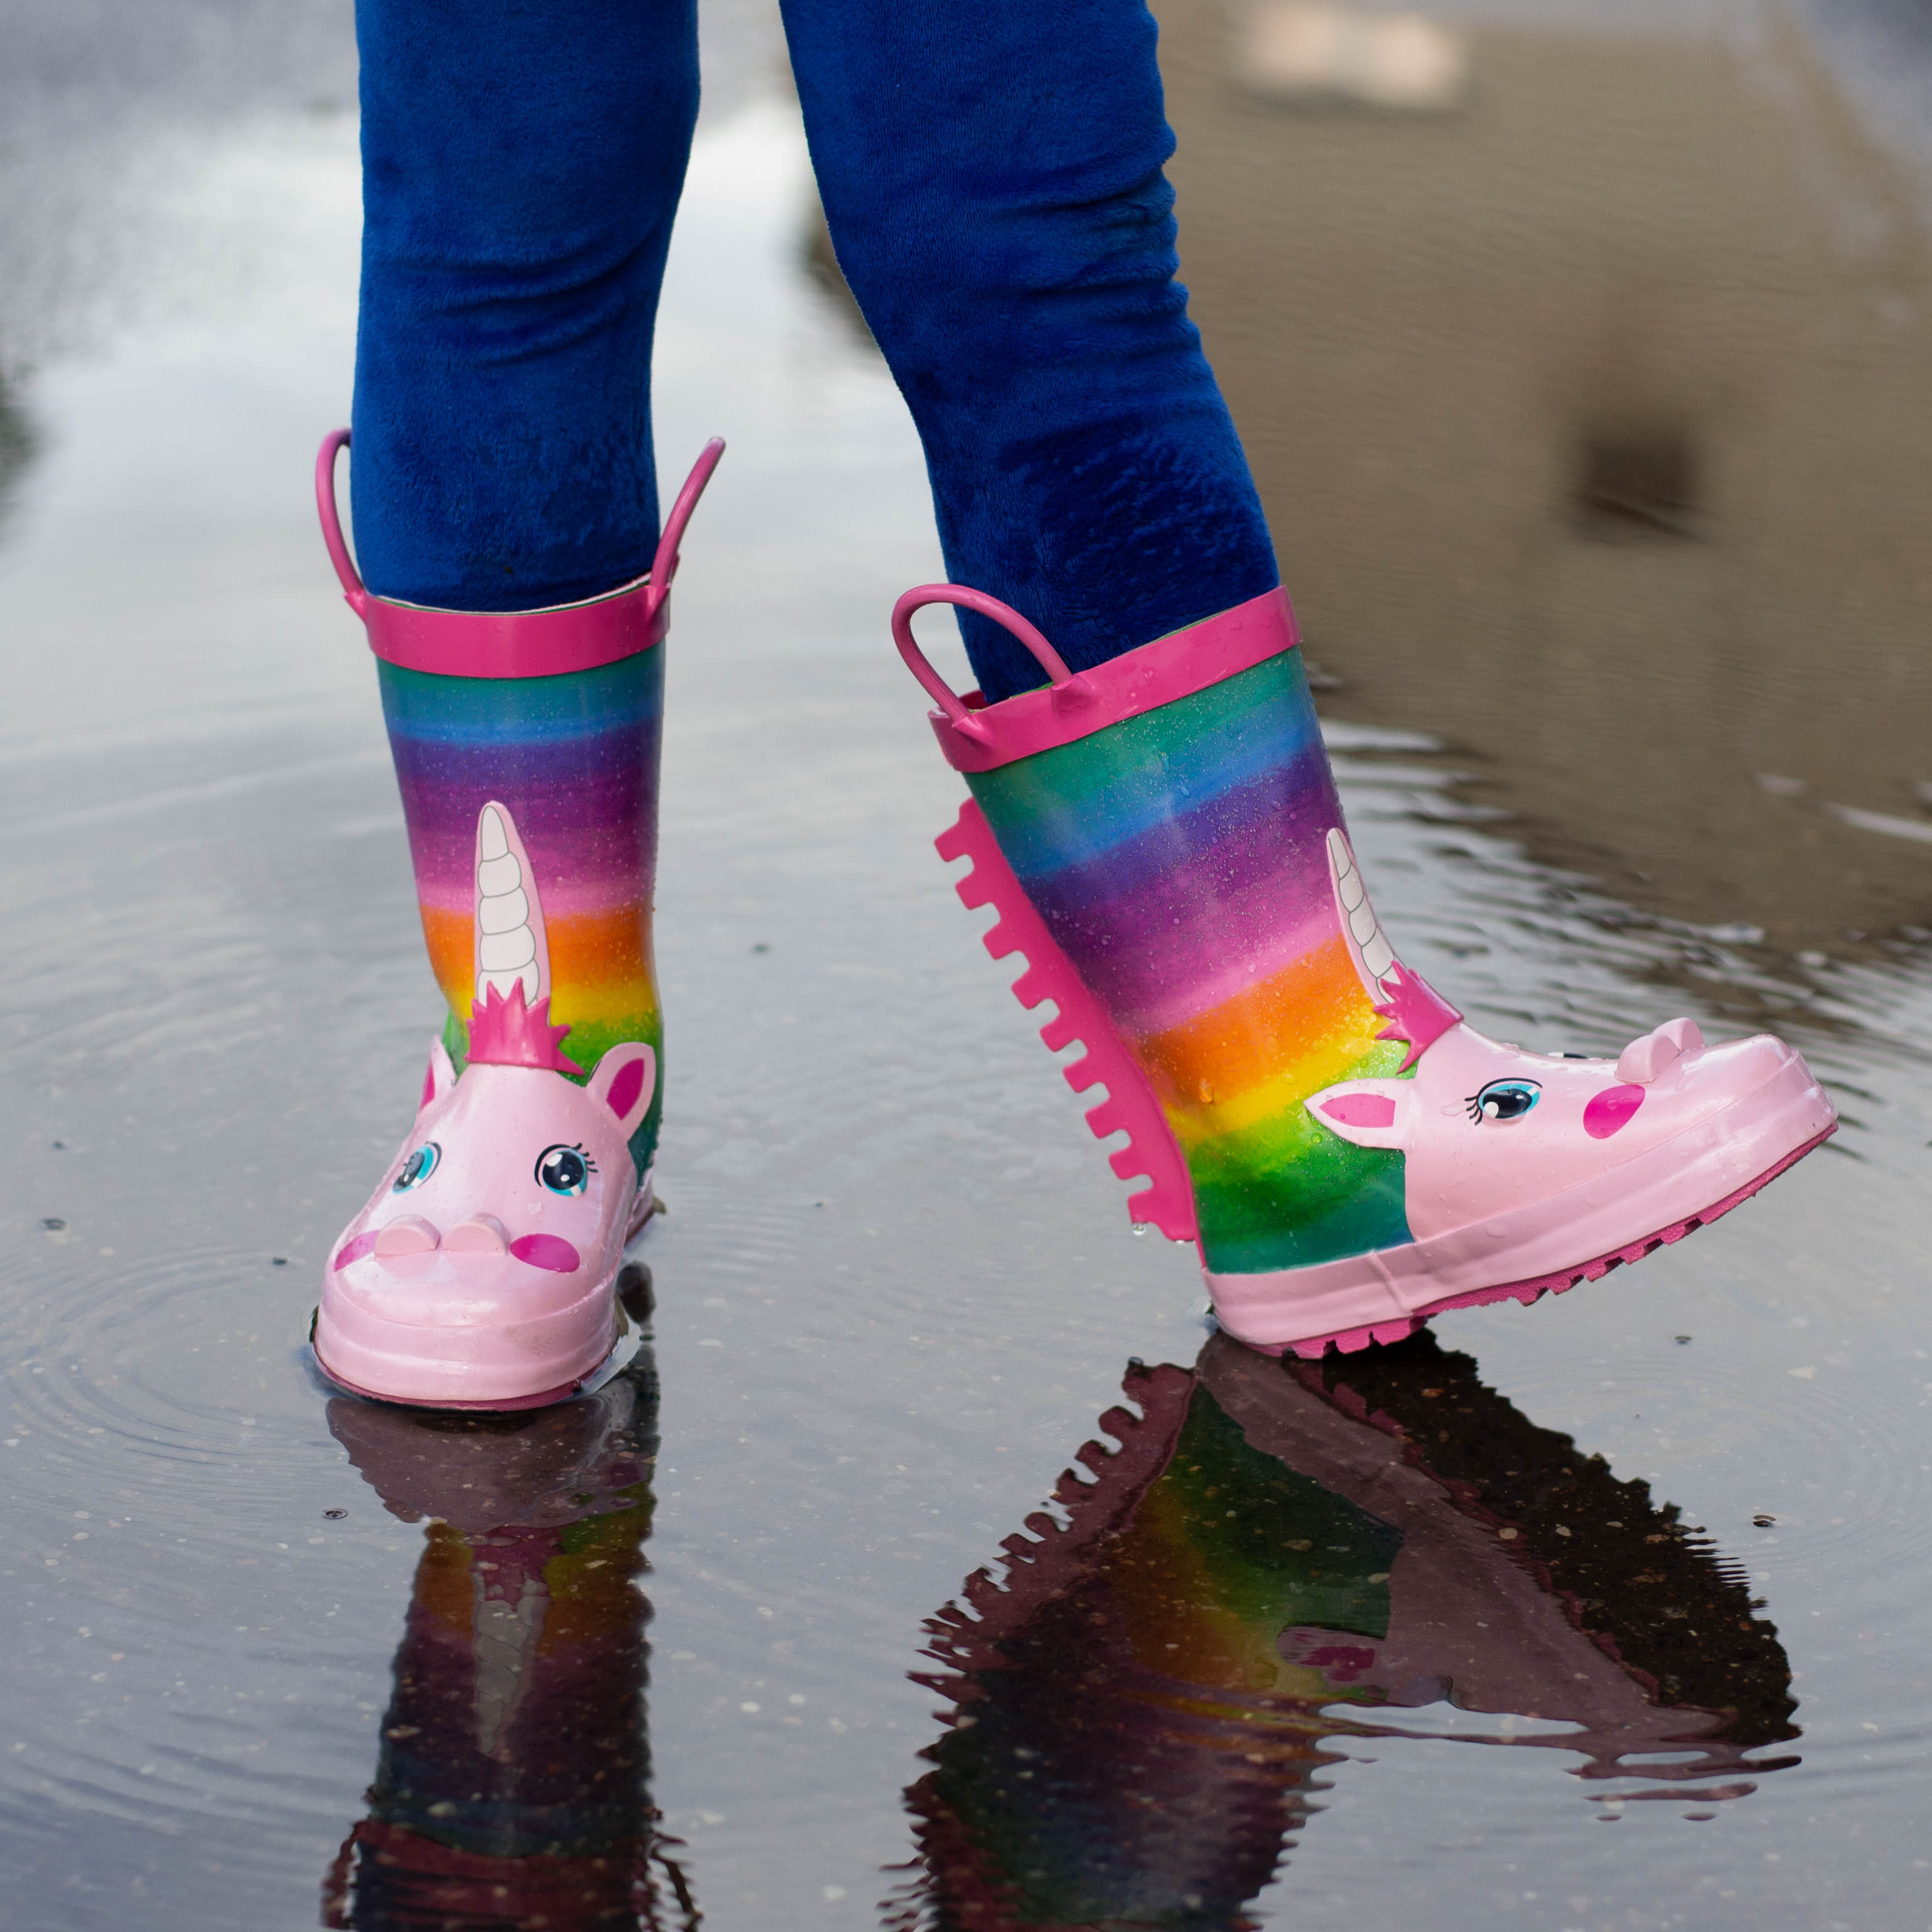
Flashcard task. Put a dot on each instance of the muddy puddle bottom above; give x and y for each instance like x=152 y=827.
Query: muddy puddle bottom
x=927 y=1562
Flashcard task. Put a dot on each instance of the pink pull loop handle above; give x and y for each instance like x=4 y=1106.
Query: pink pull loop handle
x=663 y=566
x=1071 y=690
x=331 y=520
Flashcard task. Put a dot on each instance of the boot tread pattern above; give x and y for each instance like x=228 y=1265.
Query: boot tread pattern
x=1167 y=1202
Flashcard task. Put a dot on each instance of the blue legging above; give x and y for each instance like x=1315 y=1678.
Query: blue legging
x=991 y=174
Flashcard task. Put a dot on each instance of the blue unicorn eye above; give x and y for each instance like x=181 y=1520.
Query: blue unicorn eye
x=418 y=1167
x=1503 y=1101
x=565 y=1170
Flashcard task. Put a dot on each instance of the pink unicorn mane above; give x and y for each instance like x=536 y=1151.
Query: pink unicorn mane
x=507 y=1033
x=1415 y=1011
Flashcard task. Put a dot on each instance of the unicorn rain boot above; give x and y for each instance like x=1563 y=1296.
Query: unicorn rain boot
x=481 y=1273
x=1161 y=835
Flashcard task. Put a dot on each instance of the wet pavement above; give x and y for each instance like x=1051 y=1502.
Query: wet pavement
x=929 y=1564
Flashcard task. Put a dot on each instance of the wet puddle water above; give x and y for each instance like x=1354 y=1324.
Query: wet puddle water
x=926 y=1561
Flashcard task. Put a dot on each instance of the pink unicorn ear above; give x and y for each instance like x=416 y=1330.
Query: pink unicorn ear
x=626 y=1078
x=1371 y=1113
x=439 y=1077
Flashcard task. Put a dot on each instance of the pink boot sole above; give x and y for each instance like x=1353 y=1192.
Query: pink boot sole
x=560 y=1393
x=1347 y=1341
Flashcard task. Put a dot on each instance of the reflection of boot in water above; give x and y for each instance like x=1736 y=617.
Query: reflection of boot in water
x=1265 y=1562
x=1129 y=1748
x=512 y=1787
x=1530 y=1580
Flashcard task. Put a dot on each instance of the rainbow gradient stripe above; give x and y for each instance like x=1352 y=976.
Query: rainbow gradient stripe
x=1205 y=1593
x=1138 y=1746
x=575 y=758
x=1179 y=859
x=568 y=1777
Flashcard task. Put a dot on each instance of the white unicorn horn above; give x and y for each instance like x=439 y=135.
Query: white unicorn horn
x=510 y=949
x=1372 y=953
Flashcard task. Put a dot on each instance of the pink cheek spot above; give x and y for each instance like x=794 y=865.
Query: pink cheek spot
x=547 y=1251
x=1611 y=1109
x=625 y=1088
x=354 y=1250
x=429 y=1087
x=1361 y=1110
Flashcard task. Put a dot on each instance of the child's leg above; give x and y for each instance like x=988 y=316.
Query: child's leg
x=1163 y=834
x=991 y=175
x=521 y=167
x=522 y=164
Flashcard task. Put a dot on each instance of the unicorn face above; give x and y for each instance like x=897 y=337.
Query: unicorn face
x=481 y=1268
x=1484 y=1126
x=492 y=1241
x=512 y=1162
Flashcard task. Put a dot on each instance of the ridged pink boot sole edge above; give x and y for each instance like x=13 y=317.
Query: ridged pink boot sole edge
x=1349 y=1341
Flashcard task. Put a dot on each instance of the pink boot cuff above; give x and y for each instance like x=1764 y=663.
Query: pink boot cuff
x=514 y=643
x=977 y=736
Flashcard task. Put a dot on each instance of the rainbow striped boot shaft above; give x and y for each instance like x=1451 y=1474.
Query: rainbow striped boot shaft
x=557 y=714
x=1161 y=836
x=574 y=756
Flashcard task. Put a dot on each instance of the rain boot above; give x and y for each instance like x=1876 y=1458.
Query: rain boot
x=1161 y=835
x=481 y=1272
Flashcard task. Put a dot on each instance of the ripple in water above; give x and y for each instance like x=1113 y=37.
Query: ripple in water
x=1858 y=1438
x=167 y=1384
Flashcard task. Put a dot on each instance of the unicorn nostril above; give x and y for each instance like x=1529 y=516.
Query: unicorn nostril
x=480 y=1235
x=406 y=1235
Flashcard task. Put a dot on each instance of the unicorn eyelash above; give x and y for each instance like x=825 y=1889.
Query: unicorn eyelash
x=1503 y=1101
x=565 y=1169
